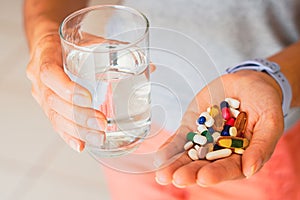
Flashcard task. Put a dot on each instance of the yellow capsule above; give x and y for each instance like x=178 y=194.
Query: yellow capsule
x=214 y=111
x=232 y=142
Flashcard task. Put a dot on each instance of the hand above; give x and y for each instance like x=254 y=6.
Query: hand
x=260 y=97
x=70 y=113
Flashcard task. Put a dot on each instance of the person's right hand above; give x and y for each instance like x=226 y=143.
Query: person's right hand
x=68 y=109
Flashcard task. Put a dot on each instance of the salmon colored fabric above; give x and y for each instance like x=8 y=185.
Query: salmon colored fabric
x=278 y=179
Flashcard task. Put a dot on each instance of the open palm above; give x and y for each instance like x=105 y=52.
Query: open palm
x=260 y=97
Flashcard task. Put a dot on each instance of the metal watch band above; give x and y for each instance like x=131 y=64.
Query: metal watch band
x=273 y=70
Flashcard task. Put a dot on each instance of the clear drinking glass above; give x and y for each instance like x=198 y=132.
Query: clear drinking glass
x=105 y=49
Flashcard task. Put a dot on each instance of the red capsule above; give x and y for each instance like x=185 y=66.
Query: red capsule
x=226 y=113
x=230 y=121
x=225 y=110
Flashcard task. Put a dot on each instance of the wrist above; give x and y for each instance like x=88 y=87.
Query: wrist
x=39 y=29
x=276 y=78
x=289 y=61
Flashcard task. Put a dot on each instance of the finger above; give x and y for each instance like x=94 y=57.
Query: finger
x=187 y=174
x=74 y=143
x=36 y=94
x=220 y=170
x=85 y=117
x=63 y=125
x=152 y=67
x=172 y=147
x=55 y=78
x=266 y=134
x=164 y=176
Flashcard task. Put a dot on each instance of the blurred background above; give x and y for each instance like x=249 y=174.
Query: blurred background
x=34 y=162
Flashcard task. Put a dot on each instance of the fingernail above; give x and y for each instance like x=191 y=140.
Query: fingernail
x=96 y=124
x=178 y=185
x=95 y=139
x=74 y=145
x=253 y=169
x=201 y=182
x=161 y=180
x=82 y=100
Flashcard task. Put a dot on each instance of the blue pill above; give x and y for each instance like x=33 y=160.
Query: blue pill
x=225 y=131
x=201 y=120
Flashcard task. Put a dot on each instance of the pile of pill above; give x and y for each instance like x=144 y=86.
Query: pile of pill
x=220 y=132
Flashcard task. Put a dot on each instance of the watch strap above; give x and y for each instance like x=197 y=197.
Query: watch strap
x=273 y=69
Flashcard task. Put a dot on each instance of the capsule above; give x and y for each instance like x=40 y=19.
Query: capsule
x=241 y=123
x=232 y=142
x=222 y=153
x=202 y=151
x=188 y=145
x=233 y=103
x=205 y=114
x=197 y=147
x=210 y=146
x=232 y=131
x=234 y=112
x=201 y=128
x=193 y=154
x=238 y=151
x=225 y=110
x=225 y=131
x=210 y=122
x=230 y=121
x=213 y=111
x=208 y=136
x=190 y=136
x=200 y=139
x=216 y=136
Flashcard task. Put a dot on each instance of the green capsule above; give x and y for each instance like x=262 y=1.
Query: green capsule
x=190 y=136
x=208 y=136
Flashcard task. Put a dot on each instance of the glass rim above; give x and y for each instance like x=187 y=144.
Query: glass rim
x=99 y=7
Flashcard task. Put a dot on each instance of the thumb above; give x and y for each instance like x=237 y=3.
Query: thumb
x=266 y=134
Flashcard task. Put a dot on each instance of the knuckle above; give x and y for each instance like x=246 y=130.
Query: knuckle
x=44 y=69
x=52 y=116
x=49 y=97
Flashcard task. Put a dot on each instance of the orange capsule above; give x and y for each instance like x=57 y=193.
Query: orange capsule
x=241 y=123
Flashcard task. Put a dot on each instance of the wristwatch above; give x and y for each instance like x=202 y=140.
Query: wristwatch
x=273 y=70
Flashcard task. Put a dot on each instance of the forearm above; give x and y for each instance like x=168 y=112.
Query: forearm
x=42 y=17
x=289 y=60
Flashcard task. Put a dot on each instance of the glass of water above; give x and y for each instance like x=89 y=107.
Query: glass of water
x=105 y=49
